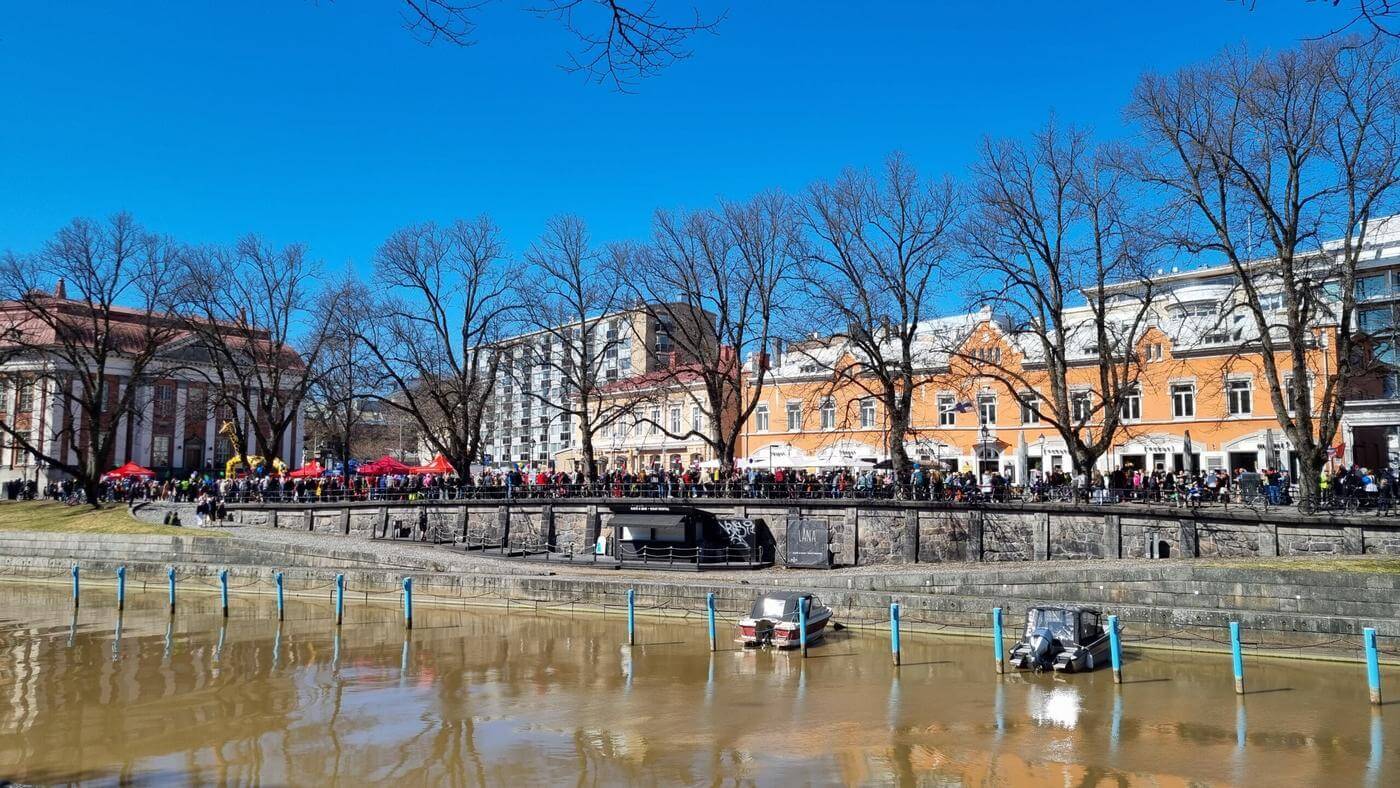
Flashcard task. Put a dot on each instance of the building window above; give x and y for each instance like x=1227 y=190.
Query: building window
x=1293 y=397
x=1183 y=400
x=987 y=408
x=794 y=416
x=675 y=419
x=947 y=410
x=1030 y=409
x=1130 y=408
x=828 y=411
x=697 y=419
x=1240 y=397
x=164 y=406
x=655 y=421
x=760 y=418
x=160 y=451
x=1371 y=287
x=1153 y=351
x=1375 y=319
x=1081 y=406
x=24 y=397
x=867 y=413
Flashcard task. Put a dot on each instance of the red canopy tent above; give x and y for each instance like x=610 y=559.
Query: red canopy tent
x=438 y=467
x=130 y=471
x=311 y=470
x=384 y=466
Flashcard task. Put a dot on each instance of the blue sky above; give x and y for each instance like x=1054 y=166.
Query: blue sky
x=327 y=123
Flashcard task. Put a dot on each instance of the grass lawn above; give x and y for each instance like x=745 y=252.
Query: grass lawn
x=58 y=518
x=1368 y=564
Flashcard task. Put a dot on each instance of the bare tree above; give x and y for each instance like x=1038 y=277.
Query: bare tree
x=580 y=336
x=1279 y=154
x=434 y=336
x=719 y=281
x=1056 y=253
x=620 y=42
x=880 y=253
x=84 y=322
x=338 y=402
x=260 y=327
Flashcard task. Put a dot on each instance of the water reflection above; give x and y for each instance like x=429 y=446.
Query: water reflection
x=478 y=696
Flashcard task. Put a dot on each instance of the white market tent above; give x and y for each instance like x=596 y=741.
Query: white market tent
x=847 y=454
x=778 y=455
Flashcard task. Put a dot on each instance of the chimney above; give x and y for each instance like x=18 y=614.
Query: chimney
x=778 y=351
x=60 y=290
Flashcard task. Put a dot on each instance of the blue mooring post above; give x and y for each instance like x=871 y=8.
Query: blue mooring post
x=223 y=590
x=170 y=573
x=1373 y=665
x=802 y=623
x=894 y=632
x=75 y=585
x=408 y=603
x=339 y=599
x=121 y=588
x=710 y=612
x=631 y=616
x=281 y=603
x=996 y=639
x=1236 y=657
x=1115 y=651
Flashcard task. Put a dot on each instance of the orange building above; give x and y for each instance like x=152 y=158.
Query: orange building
x=1194 y=382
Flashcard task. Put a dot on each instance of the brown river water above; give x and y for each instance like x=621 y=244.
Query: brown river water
x=480 y=696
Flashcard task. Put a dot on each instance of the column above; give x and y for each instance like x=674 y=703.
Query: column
x=120 y=451
x=177 y=447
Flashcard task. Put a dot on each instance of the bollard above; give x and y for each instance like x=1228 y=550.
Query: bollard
x=1373 y=665
x=631 y=616
x=223 y=590
x=1236 y=658
x=408 y=603
x=802 y=623
x=710 y=611
x=894 y=632
x=75 y=585
x=339 y=599
x=171 y=574
x=121 y=588
x=1115 y=651
x=281 y=603
x=996 y=639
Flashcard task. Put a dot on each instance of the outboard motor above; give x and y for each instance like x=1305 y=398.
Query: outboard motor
x=1043 y=649
x=763 y=633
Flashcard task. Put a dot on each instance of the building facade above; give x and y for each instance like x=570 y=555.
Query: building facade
x=174 y=426
x=528 y=423
x=1202 y=398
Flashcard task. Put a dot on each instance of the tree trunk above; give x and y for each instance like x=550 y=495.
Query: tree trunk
x=899 y=458
x=590 y=464
x=1310 y=467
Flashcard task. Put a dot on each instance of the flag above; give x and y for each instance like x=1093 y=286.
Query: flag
x=963 y=407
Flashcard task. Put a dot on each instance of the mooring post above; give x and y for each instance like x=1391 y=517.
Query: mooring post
x=1236 y=657
x=1115 y=651
x=894 y=632
x=710 y=612
x=223 y=590
x=408 y=603
x=1373 y=665
x=121 y=588
x=339 y=599
x=75 y=585
x=996 y=640
x=281 y=603
x=802 y=623
x=631 y=616
x=171 y=574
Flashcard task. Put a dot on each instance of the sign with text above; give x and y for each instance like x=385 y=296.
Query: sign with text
x=808 y=544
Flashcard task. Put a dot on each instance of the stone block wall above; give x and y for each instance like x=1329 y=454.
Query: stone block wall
x=890 y=533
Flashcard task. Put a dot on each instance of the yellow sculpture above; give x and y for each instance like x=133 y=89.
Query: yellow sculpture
x=239 y=458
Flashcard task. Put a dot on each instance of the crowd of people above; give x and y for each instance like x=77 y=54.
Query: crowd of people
x=1358 y=487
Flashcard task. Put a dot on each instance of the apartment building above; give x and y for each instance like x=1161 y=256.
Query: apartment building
x=528 y=423
x=1201 y=398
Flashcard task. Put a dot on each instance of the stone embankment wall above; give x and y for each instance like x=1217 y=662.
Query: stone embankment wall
x=1170 y=603
x=875 y=533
